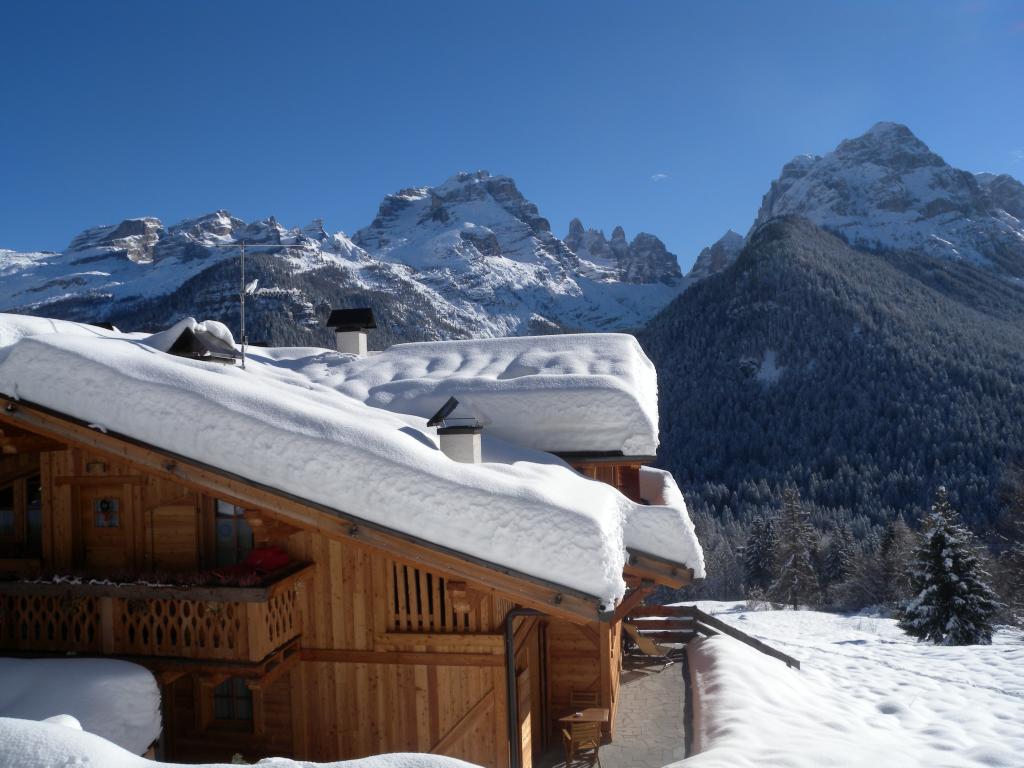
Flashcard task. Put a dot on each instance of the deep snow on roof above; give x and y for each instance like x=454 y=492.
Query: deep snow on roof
x=281 y=425
x=564 y=393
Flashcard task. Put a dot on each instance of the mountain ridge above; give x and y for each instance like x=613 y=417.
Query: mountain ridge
x=473 y=248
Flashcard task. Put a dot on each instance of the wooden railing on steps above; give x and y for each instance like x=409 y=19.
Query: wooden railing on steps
x=682 y=623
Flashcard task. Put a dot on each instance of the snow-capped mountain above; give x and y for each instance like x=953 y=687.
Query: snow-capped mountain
x=470 y=257
x=717 y=256
x=644 y=260
x=479 y=242
x=886 y=190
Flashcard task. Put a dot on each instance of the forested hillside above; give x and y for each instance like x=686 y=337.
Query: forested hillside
x=864 y=379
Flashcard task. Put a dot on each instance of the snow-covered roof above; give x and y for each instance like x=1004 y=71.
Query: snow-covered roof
x=280 y=422
x=115 y=699
x=565 y=393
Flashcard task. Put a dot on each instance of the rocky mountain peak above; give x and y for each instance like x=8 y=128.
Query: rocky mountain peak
x=886 y=190
x=644 y=260
x=890 y=145
x=132 y=239
x=575 y=236
x=717 y=256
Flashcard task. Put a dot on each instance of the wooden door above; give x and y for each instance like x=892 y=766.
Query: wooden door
x=104 y=516
x=174 y=537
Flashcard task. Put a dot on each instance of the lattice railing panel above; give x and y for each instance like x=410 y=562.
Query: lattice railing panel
x=49 y=622
x=186 y=628
x=46 y=618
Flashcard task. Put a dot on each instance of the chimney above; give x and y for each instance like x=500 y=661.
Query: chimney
x=350 y=329
x=461 y=442
x=460 y=437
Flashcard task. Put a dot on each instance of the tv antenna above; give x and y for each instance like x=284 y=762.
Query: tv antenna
x=246 y=289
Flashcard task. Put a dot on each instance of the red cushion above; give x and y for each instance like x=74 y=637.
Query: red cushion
x=266 y=559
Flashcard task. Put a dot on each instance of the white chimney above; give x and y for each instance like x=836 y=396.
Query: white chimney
x=460 y=436
x=352 y=342
x=350 y=329
x=461 y=443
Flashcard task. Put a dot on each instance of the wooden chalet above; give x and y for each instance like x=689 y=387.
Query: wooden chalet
x=276 y=626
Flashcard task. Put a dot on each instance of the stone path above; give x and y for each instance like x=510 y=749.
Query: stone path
x=649 y=727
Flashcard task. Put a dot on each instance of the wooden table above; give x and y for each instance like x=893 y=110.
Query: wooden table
x=589 y=715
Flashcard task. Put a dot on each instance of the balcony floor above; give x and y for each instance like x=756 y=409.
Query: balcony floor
x=649 y=724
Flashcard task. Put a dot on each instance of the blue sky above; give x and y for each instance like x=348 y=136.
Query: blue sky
x=669 y=117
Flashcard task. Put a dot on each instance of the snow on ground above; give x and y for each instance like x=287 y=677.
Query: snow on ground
x=277 y=425
x=30 y=744
x=116 y=699
x=867 y=695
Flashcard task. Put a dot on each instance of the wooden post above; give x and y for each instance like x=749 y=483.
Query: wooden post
x=107 y=625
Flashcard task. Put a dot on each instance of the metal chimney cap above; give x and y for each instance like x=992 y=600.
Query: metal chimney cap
x=461 y=429
x=359 y=319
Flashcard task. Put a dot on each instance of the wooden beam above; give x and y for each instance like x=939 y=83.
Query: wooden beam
x=12 y=445
x=524 y=589
x=392 y=641
x=646 y=566
x=632 y=600
x=275 y=670
x=409 y=658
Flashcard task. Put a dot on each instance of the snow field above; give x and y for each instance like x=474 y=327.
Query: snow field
x=867 y=695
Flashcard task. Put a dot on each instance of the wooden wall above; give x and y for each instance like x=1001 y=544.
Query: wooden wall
x=377 y=677
x=160 y=527
x=394 y=656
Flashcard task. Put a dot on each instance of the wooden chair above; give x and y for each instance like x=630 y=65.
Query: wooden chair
x=583 y=739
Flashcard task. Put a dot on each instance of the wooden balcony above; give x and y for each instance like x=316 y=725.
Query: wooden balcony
x=221 y=623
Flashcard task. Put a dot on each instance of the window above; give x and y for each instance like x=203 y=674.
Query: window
x=234 y=536
x=232 y=702
x=106 y=513
x=8 y=514
x=21 y=517
x=34 y=513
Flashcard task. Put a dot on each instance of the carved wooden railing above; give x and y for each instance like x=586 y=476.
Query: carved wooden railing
x=223 y=623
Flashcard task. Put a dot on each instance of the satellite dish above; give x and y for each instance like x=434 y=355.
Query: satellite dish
x=443 y=412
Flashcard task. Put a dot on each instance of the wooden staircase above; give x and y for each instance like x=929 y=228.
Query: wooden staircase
x=650 y=624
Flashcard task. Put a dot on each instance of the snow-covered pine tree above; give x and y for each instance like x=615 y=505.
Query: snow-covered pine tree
x=796 y=582
x=954 y=603
x=759 y=554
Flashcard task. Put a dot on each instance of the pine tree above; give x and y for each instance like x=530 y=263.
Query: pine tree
x=895 y=556
x=838 y=563
x=954 y=604
x=795 y=582
x=1011 y=572
x=759 y=554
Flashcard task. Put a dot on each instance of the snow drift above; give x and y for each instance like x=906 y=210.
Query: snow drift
x=30 y=744
x=117 y=700
x=866 y=695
